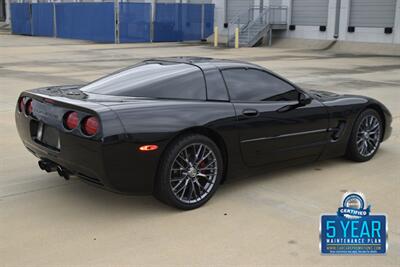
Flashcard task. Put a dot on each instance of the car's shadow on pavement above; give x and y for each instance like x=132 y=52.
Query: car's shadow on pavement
x=285 y=171
x=99 y=200
x=102 y=200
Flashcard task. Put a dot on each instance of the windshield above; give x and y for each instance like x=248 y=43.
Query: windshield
x=154 y=80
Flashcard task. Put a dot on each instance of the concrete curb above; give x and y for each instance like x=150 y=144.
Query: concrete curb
x=339 y=46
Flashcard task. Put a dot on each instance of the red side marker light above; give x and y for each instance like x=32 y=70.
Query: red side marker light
x=29 y=107
x=21 y=105
x=148 y=148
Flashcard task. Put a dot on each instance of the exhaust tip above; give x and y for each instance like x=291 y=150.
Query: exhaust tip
x=41 y=165
x=63 y=172
x=50 y=166
x=47 y=166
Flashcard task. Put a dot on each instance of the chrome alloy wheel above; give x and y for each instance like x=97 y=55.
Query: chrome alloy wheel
x=193 y=173
x=368 y=135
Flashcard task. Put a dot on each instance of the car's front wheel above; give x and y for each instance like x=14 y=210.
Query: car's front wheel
x=190 y=172
x=366 y=136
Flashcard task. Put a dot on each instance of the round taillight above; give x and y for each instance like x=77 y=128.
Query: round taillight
x=71 y=120
x=21 y=105
x=29 y=108
x=90 y=125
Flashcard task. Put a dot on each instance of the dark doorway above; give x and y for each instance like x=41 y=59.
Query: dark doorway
x=2 y=10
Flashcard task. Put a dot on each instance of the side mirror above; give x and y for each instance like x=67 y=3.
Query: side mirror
x=304 y=99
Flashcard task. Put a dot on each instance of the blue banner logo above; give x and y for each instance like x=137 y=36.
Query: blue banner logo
x=353 y=230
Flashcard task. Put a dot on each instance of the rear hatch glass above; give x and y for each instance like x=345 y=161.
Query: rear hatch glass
x=153 y=80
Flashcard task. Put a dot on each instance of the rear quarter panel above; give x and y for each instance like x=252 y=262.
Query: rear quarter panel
x=159 y=122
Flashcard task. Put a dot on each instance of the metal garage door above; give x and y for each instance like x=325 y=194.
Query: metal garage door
x=199 y=1
x=235 y=8
x=310 y=12
x=164 y=1
x=372 y=13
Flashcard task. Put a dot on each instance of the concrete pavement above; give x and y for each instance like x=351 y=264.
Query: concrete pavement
x=263 y=220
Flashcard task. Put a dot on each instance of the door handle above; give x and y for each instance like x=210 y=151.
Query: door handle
x=250 y=112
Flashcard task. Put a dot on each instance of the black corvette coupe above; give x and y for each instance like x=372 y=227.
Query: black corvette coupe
x=178 y=127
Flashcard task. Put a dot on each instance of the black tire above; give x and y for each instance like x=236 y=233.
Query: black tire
x=169 y=175
x=353 y=150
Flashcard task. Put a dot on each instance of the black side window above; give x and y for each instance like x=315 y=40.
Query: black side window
x=257 y=85
x=154 y=80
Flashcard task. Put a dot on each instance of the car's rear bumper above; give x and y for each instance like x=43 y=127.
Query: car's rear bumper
x=115 y=165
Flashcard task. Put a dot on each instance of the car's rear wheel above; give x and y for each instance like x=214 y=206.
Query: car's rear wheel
x=366 y=136
x=190 y=172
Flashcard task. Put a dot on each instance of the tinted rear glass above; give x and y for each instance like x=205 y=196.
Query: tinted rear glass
x=154 y=80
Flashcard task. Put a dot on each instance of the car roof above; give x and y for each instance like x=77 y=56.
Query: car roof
x=204 y=62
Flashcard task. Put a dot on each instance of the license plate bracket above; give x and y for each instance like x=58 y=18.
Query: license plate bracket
x=48 y=136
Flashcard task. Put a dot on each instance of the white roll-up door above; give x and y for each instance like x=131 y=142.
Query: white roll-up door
x=199 y=1
x=166 y=1
x=236 y=8
x=310 y=12
x=372 y=13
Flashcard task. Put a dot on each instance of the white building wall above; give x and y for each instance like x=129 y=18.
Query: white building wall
x=361 y=34
x=220 y=16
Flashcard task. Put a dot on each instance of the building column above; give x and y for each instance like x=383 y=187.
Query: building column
x=289 y=4
x=344 y=19
x=396 y=28
x=330 y=26
x=8 y=11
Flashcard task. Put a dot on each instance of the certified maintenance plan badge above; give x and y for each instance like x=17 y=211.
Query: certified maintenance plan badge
x=353 y=230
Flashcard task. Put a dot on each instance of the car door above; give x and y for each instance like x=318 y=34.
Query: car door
x=275 y=120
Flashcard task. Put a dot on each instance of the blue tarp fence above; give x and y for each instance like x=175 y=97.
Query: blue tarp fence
x=208 y=19
x=168 y=23
x=96 y=21
x=86 y=21
x=134 y=22
x=183 y=22
x=42 y=19
x=21 y=18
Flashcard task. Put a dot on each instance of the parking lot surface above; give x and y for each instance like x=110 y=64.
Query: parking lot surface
x=261 y=220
